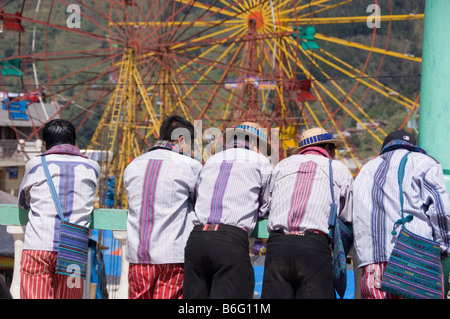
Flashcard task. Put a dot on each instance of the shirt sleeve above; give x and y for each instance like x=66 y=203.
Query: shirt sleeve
x=25 y=187
x=196 y=169
x=346 y=197
x=436 y=200
x=265 y=193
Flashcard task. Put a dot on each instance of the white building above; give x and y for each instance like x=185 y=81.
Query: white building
x=16 y=148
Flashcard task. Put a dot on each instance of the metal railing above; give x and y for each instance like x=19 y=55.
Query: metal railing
x=103 y=219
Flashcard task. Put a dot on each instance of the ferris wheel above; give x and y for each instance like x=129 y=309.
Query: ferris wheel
x=117 y=68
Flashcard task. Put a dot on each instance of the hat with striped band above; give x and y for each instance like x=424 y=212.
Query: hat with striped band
x=249 y=129
x=316 y=136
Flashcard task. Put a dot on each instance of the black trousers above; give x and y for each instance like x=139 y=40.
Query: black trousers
x=298 y=267
x=4 y=291
x=217 y=264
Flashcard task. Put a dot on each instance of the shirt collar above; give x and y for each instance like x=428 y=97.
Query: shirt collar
x=237 y=144
x=64 y=149
x=168 y=145
x=314 y=150
x=399 y=144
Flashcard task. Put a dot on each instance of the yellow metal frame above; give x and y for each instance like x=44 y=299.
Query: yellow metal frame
x=118 y=124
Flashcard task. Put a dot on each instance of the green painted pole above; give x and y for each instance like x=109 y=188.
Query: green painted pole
x=434 y=114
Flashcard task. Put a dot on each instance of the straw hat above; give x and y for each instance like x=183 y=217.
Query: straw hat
x=252 y=130
x=316 y=136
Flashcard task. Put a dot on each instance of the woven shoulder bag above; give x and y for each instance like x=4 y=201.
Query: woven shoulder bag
x=342 y=237
x=414 y=269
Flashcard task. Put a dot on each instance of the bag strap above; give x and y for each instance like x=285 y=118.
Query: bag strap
x=331 y=179
x=401 y=174
x=333 y=210
x=52 y=188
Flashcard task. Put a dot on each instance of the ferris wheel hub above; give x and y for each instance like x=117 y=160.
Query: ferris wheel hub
x=134 y=45
x=258 y=17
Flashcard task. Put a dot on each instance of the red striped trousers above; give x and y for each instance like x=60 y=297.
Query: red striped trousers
x=163 y=281
x=39 y=280
x=371 y=283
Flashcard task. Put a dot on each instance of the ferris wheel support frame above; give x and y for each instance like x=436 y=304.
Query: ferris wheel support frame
x=120 y=116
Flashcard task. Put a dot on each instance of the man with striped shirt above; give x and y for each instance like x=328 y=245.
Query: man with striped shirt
x=232 y=194
x=377 y=207
x=75 y=178
x=298 y=259
x=161 y=188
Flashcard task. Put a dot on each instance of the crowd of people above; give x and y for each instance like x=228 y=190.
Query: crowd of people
x=189 y=223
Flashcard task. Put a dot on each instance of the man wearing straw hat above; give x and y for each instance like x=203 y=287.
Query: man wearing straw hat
x=232 y=193
x=298 y=260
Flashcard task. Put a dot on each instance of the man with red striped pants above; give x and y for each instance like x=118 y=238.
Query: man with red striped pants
x=75 y=178
x=298 y=260
x=161 y=192
x=378 y=208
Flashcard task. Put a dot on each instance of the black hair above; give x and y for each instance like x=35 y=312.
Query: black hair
x=332 y=147
x=170 y=124
x=58 y=132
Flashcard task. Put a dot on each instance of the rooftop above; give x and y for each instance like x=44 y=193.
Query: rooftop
x=37 y=114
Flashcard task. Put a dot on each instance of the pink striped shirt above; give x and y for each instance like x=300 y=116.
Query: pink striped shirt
x=233 y=189
x=161 y=188
x=301 y=195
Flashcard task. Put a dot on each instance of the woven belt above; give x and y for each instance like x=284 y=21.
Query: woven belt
x=210 y=227
x=217 y=227
x=302 y=233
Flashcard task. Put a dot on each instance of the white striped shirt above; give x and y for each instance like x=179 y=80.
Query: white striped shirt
x=301 y=194
x=377 y=204
x=233 y=189
x=75 y=179
x=161 y=188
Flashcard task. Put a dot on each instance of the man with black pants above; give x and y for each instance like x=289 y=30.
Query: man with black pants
x=232 y=193
x=298 y=262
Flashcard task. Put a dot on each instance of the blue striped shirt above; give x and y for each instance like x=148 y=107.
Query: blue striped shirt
x=376 y=204
x=75 y=179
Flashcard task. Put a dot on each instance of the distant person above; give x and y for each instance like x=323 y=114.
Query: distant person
x=233 y=191
x=298 y=261
x=376 y=207
x=75 y=178
x=161 y=193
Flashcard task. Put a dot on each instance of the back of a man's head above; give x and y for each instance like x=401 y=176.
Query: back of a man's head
x=57 y=132
x=400 y=135
x=174 y=126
